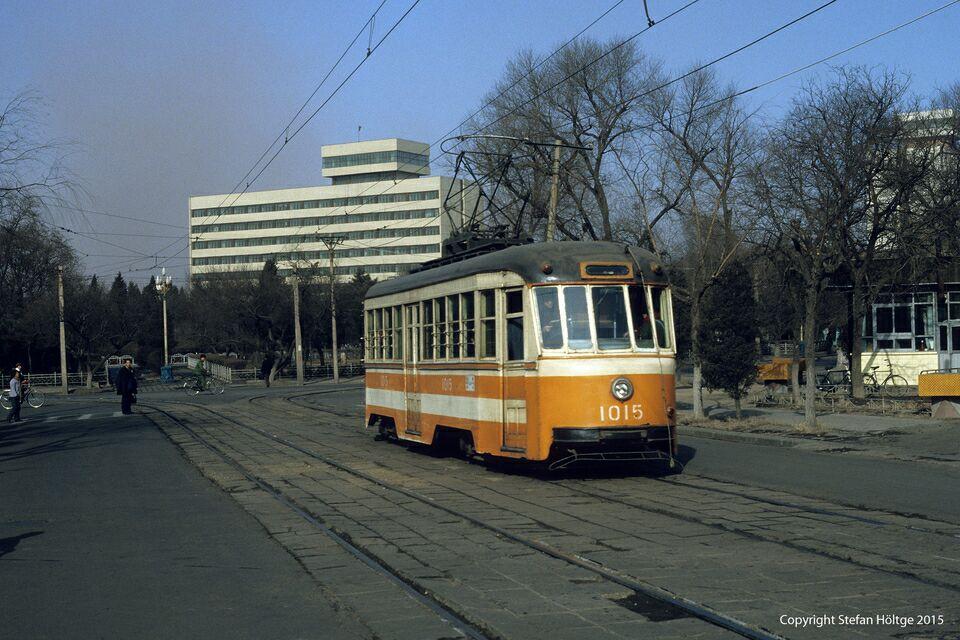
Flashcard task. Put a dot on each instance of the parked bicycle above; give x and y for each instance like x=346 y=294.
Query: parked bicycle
x=195 y=386
x=32 y=397
x=892 y=385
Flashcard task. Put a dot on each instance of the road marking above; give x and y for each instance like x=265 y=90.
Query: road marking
x=53 y=418
x=85 y=416
x=117 y=414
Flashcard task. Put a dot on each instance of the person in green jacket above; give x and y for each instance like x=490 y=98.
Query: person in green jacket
x=201 y=372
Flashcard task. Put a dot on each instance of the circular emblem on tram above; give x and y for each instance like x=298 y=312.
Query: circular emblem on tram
x=622 y=389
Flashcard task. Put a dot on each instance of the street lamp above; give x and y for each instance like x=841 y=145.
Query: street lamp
x=164 y=284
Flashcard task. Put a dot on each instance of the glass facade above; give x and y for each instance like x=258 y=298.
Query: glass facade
x=376 y=157
x=317 y=255
x=312 y=237
x=901 y=322
x=325 y=203
x=283 y=223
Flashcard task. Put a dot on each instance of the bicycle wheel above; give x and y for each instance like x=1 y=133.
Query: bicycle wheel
x=5 y=401
x=870 y=386
x=190 y=388
x=895 y=385
x=35 y=398
x=216 y=387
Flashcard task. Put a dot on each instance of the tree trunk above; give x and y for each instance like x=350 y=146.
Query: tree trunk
x=695 y=352
x=88 y=371
x=736 y=403
x=810 y=354
x=795 y=378
x=856 y=343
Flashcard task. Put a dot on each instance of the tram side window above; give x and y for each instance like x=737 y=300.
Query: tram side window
x=442 y=337
x=453 y=324
x=514 y=324
x=398 y=333
x=488 y=324
x=387 y=335
x=661 y=317
x=642 y=328
x=426 y=344
x=548 y=309
x=411 y=332
x=368 y=336
x=377 y=336
x=610 y=312
x=469 y=325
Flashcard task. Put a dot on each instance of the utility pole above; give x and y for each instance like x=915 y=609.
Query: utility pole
x=297 y=337
x=554 y=186
x=63 y=335
x=331 y=243
x=163 y=285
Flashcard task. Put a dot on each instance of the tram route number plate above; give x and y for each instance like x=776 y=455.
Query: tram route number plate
x=621 y=413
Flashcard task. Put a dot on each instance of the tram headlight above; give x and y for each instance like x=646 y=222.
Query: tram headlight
x=622 y=389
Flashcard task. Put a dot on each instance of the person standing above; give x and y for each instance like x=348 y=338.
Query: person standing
x=15 y=398
x=126 y=384
x=265 y=368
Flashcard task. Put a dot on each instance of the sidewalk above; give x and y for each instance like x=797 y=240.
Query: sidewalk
x=913 y=437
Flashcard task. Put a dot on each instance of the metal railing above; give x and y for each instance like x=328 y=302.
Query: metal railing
x=218 y=371
x=310 y=372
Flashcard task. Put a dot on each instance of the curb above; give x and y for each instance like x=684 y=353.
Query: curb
x=739 y=436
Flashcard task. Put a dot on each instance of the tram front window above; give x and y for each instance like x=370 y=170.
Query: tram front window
x=661 y=316
x=610 y=314
x=578 y=318
x=549 y=310
x=642 y=329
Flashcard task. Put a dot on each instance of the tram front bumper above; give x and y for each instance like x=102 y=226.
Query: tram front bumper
x=576 y=445
x=573 y=436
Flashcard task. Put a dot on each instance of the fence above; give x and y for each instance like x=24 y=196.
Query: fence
x=218 y=371
x=290 y=372
x=54 y=379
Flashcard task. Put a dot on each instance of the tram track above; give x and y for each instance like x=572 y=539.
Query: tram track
x=667 y=598
x=423 y=597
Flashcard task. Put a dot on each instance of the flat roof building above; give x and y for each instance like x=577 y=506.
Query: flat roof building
x=382 y=204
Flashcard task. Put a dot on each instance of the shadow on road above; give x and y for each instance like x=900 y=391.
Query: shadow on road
x=7 y=545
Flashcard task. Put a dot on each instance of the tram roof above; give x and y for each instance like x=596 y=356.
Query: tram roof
x=528 y=261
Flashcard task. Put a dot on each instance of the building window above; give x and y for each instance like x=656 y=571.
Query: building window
x=376 y=157
x=901 y=322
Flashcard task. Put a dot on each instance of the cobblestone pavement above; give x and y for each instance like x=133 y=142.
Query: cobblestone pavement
x=524 y=556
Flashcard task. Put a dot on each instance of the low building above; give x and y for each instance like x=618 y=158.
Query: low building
x=383 y=205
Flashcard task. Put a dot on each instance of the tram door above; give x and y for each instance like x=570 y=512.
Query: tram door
x=514 y=373
x=411 y=361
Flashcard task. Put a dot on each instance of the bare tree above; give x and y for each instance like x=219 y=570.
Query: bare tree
x=707 y=146
x=587 y=96
x=30 y=166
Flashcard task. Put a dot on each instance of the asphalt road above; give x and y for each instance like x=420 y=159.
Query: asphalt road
x=107 y=532
x=927 y=490
x=902 y=487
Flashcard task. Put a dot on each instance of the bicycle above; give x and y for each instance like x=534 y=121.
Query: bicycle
x=892 y=385
x=194 y=386
x=32 y=397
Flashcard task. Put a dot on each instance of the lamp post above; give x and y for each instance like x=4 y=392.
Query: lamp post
x=164 y=284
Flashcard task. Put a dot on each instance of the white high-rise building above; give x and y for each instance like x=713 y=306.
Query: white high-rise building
x=382 y=204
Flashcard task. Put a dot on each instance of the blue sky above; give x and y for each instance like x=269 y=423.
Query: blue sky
x=173 y=99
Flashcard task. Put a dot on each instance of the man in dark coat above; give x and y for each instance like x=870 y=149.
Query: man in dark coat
x=126 y=384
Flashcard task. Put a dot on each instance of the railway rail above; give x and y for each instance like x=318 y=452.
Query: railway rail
x=357 y=444
x=644 y=589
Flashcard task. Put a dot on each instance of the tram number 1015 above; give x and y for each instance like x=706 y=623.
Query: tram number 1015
x=621 y=412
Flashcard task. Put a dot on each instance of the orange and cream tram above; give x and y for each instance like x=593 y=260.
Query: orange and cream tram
x=556 y=352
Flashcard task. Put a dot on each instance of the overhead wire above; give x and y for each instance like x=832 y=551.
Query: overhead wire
x=540 y=63
x=291 y=136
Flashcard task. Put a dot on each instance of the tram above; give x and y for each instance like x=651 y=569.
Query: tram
x=556 y=352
